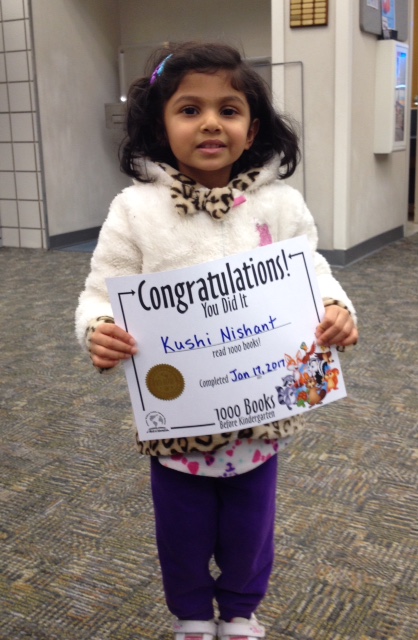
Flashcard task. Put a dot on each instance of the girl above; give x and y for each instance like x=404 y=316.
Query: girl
x=207 y=153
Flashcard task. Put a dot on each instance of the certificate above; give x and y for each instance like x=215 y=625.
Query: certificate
x=226 y=345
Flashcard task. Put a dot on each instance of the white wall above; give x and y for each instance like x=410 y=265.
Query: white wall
x=353 y=194
x=379 y=183
x=315 y=48
x=76 y=44
x=244 y=23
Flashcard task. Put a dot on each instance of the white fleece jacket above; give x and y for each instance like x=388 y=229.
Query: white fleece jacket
x=144 y=233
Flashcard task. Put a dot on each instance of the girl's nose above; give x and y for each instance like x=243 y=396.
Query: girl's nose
x=210 y=122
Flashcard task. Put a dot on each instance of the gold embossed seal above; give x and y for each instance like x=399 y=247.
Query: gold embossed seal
x=165 y=382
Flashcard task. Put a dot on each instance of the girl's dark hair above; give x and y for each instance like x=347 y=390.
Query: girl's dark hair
x=145 y=132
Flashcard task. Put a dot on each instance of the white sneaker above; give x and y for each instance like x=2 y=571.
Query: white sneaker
x=194 y=630
x=241 y=629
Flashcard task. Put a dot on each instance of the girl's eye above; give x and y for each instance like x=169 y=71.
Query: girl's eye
x=189 y=111
x=229 y=111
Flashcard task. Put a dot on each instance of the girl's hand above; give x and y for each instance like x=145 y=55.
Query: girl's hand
x=336 y=328
x=109 y=344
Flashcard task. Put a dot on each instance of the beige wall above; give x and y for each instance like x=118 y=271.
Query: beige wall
x=244 y=23
x=337 y=72
x=77 y=74
x=76 y=45
x=315 y=48
x=379 y=183
x=353 y=194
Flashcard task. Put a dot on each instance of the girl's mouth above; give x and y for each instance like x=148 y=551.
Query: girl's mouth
x=211 y=147
x=211 y=144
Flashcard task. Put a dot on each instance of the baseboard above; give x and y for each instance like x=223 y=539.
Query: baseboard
x=342 y=258
x=73 y=237
x=336 y=258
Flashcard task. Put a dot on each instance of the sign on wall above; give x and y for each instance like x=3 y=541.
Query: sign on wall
x=375 y=15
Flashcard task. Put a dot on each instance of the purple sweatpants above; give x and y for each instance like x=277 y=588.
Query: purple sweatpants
x=231 y=519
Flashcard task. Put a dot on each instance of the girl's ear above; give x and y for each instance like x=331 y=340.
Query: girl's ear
x=252 y=132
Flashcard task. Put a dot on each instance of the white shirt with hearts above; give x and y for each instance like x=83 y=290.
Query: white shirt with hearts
x=241 y=456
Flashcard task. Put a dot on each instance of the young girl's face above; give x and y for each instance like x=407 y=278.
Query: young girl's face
x=208 y=126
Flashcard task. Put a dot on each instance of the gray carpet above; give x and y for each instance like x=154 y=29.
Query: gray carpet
x=78 y=558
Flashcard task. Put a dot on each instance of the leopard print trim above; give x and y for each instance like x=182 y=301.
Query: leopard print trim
x=329 y=302
x=190 y=199
x=208 y=444
x=92 y=326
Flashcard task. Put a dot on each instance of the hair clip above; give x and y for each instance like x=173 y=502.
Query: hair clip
x=158 y=70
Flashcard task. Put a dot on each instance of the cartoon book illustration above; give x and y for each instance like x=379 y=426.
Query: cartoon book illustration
x=312 y=376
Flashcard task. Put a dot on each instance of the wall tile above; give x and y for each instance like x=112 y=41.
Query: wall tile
x=26 y=185
x=6 y=156
x=37 y=156
x=5 y=132
x=4 y=99
x=30 y=64
x=28 y=35
x=31 y=238
x=24 y=156
x=2 y=67
x=8 y=213
x=14 y=35
x=17 y=66
x=10 y=237
x=12 y=9
x=7 y=185
x=42 y=216
x=19 y=96
x=22 y=127
x=29 y=214
x=22 y=222
x=35 y=127
x=40 y=186
x=32 y=95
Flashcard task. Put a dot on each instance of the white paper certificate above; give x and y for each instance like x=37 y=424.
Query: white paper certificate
x=226 y=345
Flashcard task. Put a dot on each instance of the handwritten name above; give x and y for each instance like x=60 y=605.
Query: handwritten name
x=227 y=334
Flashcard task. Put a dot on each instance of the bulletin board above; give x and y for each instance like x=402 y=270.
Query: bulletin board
x=371 y=17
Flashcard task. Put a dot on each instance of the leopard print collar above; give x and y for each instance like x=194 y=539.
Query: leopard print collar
x=190 y=198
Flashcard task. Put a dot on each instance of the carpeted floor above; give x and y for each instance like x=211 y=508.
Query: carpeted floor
x=78 y=560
